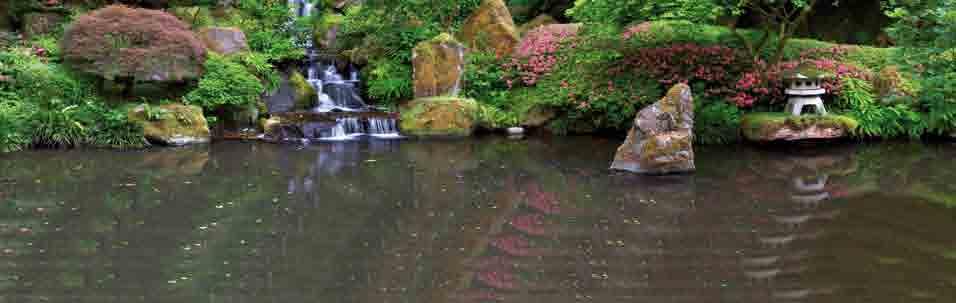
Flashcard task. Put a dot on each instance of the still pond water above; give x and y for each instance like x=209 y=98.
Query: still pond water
x=483 y=220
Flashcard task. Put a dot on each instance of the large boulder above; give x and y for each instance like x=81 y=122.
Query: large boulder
x=770 y=127
x=439 y=117
x=172 y=124
x=41 y=23
x=538 y=116
x=438 y=67
x=491 y=27
x=661 y=141
x=224 y=40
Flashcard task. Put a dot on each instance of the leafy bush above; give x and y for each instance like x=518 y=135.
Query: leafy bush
x=14 y=131
x=716 y=122
x=225 y=84
x=874 y=119
x=484 y=80
x=622 y=12
x=389 y=82
x=118 y=42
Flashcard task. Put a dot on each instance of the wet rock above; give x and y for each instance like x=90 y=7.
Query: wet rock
x=661 y=141
x=491 y=27
x=224 y=40
x=538 y=116
x=438 y=67
x=41 y=23
x=172 y=124
x=439 y=117
x=271 y=126
x=769 y=127
x=303 y=92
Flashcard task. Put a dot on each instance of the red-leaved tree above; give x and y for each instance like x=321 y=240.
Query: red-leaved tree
x=129 y=44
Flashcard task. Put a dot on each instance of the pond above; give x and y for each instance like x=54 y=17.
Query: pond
x=479 y=220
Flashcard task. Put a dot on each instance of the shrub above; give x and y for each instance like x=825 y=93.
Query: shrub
x=14 y=131
x=118 y=42
x=874 y=119
x=716 y=122
x=225 y=84
x=536 y=55
x=484 y=79
x=389 y=82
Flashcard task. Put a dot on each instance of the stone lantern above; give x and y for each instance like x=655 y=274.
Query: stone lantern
x=805 y=88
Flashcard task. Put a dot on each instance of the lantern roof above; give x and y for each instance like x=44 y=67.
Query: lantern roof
x=806 y=71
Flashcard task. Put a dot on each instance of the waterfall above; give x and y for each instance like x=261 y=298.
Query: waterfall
x=383 y=128
x=337 y=93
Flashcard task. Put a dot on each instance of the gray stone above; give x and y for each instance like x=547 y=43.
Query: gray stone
x=224 y=40
x=38 y=24
x=661 y=141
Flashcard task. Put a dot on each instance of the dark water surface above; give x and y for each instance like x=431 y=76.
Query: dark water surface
x=482 y=220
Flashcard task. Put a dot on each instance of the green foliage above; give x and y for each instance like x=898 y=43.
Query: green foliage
x=389 y=82
x=623 y=12
x=491 y=117
x=876 y=120
x=225 y=84
x=483 y=80
x=59 y=127
x=268 y=30
x=154 y=113
x=14 y=131
x=258 y=64
x=938 y=100
x=716 y=122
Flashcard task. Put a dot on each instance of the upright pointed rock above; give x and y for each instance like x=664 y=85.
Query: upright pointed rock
x=661 y=141
x=438 y=67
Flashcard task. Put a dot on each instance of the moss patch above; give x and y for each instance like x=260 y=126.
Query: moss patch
x=304 y=93
x=173 y=124
x=764 y=126
x=439 y=116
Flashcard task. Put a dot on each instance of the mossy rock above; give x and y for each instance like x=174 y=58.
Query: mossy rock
x=172 y=124
x=438 y=66
x=491 y=27
x=769 y=127
x=303 y=92
x=540 y=20
x=439 y=117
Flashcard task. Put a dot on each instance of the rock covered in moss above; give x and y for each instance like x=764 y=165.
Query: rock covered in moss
x=769 y=127
x=538 y=116
x=438 y=67
x=303 y=92
x=224 y=40
x=661 y=141
x=439 y=117
x=490 y=27
x=172 y=124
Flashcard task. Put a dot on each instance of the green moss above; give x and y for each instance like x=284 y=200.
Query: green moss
x=303 y=91
x=761 y=125
x=439 y=117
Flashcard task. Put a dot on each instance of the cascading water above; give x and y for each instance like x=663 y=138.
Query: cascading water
x=338 y=94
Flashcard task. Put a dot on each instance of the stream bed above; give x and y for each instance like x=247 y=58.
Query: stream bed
x=477 y=220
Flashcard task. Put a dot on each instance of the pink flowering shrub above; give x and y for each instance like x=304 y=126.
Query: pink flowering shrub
x=766 y=84
x=537 y=54
x=714 y=66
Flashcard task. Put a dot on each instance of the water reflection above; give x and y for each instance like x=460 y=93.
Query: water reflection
x=476 y=221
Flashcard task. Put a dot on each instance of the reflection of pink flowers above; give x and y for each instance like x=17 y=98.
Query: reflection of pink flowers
x=531 y=224
x=514 y=245
x=542 y=201
x=500 y=279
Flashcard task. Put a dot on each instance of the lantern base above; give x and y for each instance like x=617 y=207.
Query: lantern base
x=796 y=104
